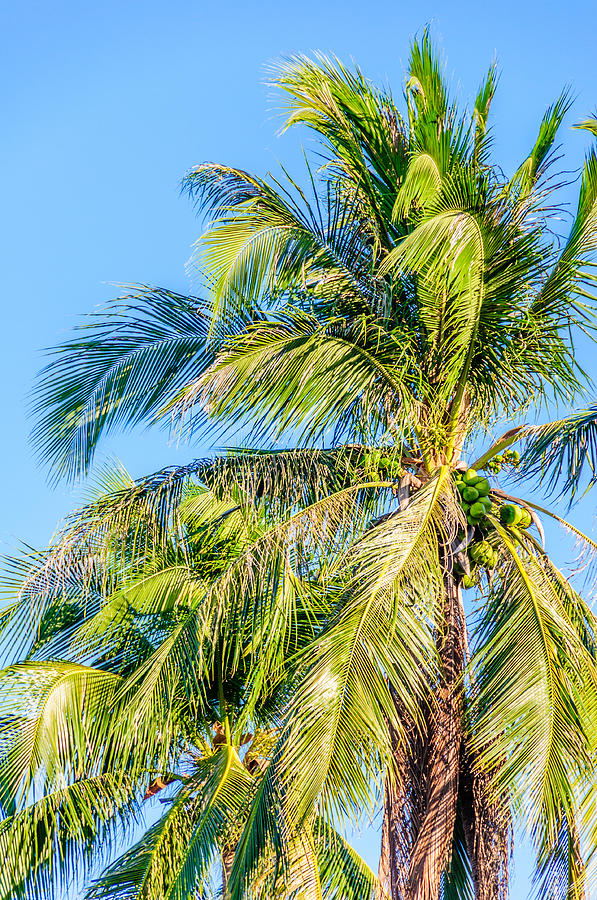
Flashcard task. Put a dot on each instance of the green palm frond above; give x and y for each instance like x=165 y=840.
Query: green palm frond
x=561 y=872
x=589 y=124
x=129 y=361
x=562 y=452
x=535 y=165
x=44 y=844
x=55 y=716
x=336 y=733
x=536 y=711
x=481 y=114
x=173 y=858
x=569 y=280
x=362 y=131
x=420 y=186
x=285 y=371
x=344 y=875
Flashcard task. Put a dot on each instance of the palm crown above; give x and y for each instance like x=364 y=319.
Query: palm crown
x=413 y=304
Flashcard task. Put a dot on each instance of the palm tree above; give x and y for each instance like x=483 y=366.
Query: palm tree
x=141 y=675
x=415 y=305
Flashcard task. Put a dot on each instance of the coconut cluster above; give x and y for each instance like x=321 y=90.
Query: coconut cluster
x=378 y=462
x=507 y=458
x=481 y=510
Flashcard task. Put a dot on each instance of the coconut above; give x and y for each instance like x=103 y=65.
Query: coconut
x=510 y=514
x=470 y=494
x=467 y=582
x=477 y=510
x=483 y=486
x=480 y=551
x=469 y=475
x=526 y=519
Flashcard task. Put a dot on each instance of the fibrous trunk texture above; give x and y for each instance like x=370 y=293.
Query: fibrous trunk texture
x=421 y=795
x=436 y=779
x=486 y=831
x=441 y=766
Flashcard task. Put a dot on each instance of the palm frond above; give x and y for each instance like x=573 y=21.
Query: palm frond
x=44 y=844
x=344 y=875
x=536 y=163
x=286 y=371
x=336 y=733
x=129 y=361
x=562 y=452
x=172 y=860
x=536 y=711
x=55 y=717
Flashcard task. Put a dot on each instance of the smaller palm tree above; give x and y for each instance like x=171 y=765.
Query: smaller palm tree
x=138 y=676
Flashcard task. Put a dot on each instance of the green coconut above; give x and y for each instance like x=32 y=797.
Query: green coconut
x=470 y=475
x=487 y=503
x=477 y=510
x=510 y=514
x=526 y=519
x=480 y=551
x=467 y=582
x=470 y=494
x=483 y=486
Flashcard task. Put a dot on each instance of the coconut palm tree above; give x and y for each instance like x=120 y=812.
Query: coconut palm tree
x=126 y=687
x=385 y=327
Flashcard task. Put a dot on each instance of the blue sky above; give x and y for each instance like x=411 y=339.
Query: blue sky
x=105 y=106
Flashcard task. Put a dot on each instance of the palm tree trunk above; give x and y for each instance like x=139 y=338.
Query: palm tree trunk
x=486 y=831
x=433 y=844
x=227 y=861
x=420 y=803
x=396 y=841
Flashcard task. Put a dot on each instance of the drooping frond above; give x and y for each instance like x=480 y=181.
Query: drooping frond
x=44 y=844
x=561 y=452
x=128 y=362
x=344 y=875
x=336 y=734
x=55 y=716
x=172 y=860
x=535 y=718
x=299 y=374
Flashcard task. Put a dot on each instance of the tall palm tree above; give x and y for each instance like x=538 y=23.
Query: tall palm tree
x=418 y=302
x=140 y=674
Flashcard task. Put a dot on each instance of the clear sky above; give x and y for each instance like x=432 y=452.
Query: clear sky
x=105 y=106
